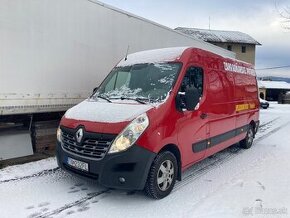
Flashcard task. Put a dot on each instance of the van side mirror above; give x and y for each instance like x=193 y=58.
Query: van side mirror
x=191 y=98
x=188 y=99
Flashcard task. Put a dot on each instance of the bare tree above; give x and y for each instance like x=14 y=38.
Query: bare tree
x=285 y=15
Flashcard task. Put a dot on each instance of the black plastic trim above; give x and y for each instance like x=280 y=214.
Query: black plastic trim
x=213 y=141
x=199 y=146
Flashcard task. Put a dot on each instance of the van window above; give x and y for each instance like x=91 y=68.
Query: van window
x=193 y=77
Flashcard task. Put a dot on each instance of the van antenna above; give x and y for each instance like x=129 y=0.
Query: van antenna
x=209 y=22
x=126 y=57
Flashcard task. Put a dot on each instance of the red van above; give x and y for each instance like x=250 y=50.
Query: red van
x=157 y=113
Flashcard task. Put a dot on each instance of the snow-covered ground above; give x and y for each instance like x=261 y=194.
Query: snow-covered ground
x=232 y=183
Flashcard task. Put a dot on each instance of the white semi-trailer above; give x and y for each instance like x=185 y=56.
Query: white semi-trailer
x=54 y=52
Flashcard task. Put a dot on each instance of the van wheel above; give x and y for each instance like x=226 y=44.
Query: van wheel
x=162 y=176
x=247 y=142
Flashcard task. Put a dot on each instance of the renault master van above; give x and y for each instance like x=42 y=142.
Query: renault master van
x=157 y=113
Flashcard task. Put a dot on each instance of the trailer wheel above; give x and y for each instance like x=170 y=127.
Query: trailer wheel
x=162 y=176
x=247 y=142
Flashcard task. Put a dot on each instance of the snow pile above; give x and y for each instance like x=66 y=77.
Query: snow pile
x=97 y=111
x=153 y=56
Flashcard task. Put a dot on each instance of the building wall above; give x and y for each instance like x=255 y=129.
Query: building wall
x=248 y=56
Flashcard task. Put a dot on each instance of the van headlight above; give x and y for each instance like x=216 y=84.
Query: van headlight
x=58 y=134
x=130 y=134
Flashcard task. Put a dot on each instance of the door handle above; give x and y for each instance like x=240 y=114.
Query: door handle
x=203 y=116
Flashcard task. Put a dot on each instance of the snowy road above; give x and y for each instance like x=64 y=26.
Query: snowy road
x=232 y=183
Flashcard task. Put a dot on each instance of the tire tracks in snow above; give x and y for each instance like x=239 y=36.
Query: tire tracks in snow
x=70 y=205
x=271 y=132
x=269 y=122
x=200 y=171
x=39 y=174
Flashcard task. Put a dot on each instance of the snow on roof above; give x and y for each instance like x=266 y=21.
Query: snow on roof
x=273 y=84
x=153 y=56
x=218 y=35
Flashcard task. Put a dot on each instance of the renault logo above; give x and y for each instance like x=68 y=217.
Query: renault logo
x=79 y=135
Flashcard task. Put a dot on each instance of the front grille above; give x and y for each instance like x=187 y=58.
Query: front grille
x=93 y=145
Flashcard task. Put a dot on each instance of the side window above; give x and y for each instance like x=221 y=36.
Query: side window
x=193 y=77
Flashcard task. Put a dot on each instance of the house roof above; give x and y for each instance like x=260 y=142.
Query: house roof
x=219 y=35
x=273 y=84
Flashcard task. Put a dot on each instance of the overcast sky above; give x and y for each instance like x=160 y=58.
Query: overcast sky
x=260 y=19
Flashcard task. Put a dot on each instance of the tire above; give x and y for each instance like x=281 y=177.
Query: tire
x=162 y=176
x=247 y=142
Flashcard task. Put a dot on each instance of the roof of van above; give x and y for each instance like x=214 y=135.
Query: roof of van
x=153 y=56
x=218 y=35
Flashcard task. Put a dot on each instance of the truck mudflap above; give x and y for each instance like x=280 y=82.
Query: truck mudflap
x=125 y=170
x=14 y=143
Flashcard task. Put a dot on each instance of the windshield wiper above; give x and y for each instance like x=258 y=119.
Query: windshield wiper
x=134 y=99
x=104 y=98
x=143 y=100
x=139 y=100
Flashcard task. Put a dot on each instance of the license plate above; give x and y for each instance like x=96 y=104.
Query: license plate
x=78 y=164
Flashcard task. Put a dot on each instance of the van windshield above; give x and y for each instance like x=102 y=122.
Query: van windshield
x=141 y=82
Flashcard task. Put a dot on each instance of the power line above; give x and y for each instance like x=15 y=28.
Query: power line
x=271 y=68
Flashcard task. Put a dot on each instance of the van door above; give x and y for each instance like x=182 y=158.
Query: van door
x=221 y=110
x=192 y=125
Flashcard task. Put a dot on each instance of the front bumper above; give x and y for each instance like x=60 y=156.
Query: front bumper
x=125 y=170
